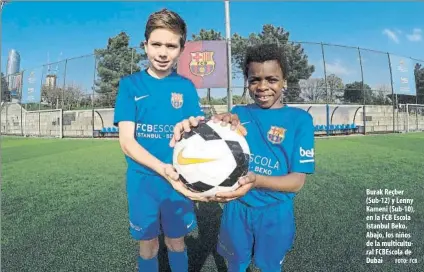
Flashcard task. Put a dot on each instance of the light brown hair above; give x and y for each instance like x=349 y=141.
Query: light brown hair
x=169 y=20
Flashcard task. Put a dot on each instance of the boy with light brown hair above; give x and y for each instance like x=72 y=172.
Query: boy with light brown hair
x=148 y=105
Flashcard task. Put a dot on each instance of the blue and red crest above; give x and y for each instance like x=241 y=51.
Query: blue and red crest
x=177 y=100
x=202 y=63
x=276 y=134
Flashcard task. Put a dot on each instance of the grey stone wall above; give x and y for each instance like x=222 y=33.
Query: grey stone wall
x=15 y=120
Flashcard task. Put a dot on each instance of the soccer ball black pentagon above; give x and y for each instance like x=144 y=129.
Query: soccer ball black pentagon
x=211 y=158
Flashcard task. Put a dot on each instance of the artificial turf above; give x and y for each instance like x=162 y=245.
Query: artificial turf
x=63 y=206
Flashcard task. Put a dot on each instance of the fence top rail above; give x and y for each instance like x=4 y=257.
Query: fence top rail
x=299 y=42
x=413 y=104
x=417 y=59
x=35 y=111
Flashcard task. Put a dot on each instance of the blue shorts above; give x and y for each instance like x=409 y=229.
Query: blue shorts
x=153 y=203
x=267 y=232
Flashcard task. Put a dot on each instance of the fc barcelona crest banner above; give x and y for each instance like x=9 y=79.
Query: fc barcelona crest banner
x=205 y=63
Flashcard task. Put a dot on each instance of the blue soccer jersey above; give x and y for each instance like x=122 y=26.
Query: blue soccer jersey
x=155 y=106
x=281 y=141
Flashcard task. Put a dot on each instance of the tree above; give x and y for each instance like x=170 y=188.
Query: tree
x=213 y=101
x=353 y=93
x=67 y=98
x=207 y=35
x=382 y=95
x=114 y=62
x=334 y=92
x=73 y=96
x=238 y=100
x=5 y=93
x=52 y=95
x=313 y=90
x=297 y=59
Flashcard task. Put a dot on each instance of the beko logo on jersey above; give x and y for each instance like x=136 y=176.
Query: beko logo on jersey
x=306 y=155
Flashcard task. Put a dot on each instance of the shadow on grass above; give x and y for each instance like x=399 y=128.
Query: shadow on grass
x=200 y=247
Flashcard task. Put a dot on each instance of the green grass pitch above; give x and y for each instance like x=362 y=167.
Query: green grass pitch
x=63 y=206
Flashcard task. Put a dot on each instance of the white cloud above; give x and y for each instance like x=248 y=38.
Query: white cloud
x=391 y=34
x=416 y=35
x=337 y=68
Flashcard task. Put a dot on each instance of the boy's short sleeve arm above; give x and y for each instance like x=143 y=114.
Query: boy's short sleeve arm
x=304 y=152
x=235 y=109
x=193 y=107
x=125 y=108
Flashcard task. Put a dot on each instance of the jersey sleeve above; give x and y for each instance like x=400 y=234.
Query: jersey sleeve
x=304 y=155
x=193 y=106
x=235 y=109
x=125 y=108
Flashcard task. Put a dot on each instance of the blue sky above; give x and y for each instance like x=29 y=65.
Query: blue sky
x=71 y=29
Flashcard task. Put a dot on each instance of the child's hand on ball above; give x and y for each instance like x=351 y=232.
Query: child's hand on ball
x=232 y=119
x=224 y=118
x=184 y=126
x=246 y=183
x=174 y=179
x=170 y=173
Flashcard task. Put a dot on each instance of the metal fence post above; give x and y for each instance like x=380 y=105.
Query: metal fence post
x=362 y=90
x=6 y=107
x=416 y=98
x=64 y=83
x=39 y=102
x=20 y=101
x=229 y=63
x=393 y=92
x=92 y=96
x=63 y=99
x=326 y=88
x=325 y=72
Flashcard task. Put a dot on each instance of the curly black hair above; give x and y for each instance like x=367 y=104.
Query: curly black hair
x=265 y=52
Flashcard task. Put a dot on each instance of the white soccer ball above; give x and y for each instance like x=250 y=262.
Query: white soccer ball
x=211 y=158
